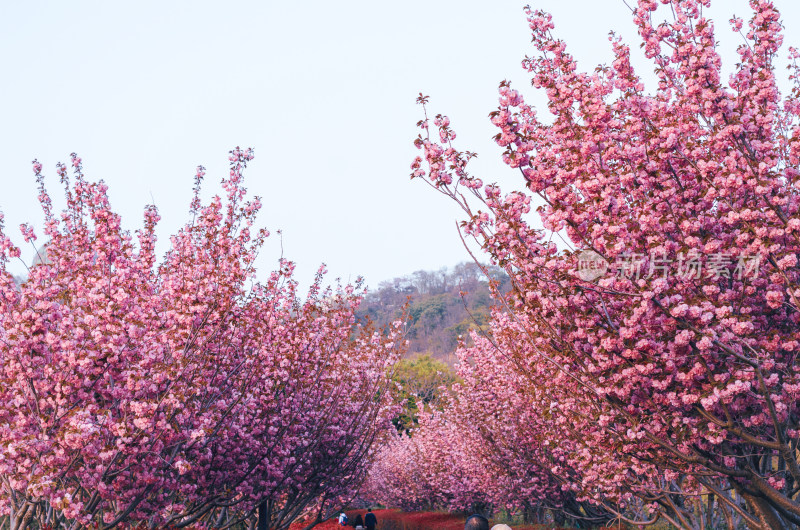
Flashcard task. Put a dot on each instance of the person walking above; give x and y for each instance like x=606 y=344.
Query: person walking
x=358 y=522
x=370 y=520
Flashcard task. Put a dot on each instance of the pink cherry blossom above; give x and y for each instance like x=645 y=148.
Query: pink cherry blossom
x=181 y=391
x=636 y=396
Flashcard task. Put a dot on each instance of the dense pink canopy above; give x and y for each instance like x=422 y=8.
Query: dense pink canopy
x=184 y=391
x=652 y=360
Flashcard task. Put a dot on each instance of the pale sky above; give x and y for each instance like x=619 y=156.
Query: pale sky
x=323 y=91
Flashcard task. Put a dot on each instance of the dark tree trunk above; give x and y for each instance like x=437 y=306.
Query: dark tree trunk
x=262 y=516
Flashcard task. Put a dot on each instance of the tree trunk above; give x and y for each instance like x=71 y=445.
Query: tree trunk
x=262 y=516
x=764 y=513
x=728 y=515
x=710 y=519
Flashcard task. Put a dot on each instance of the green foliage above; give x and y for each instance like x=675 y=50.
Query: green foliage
x=423 y=381
x=429 y=309
x=442 y=308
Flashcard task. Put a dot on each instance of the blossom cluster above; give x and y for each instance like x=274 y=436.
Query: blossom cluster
x=181 y=391
x=650 y=397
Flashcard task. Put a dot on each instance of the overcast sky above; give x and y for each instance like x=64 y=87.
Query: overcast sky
x=323 y=91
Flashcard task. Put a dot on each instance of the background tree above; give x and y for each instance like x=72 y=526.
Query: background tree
x=423 y=383
x=441 y=310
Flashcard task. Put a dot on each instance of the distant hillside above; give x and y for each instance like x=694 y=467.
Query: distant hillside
x=438 y=313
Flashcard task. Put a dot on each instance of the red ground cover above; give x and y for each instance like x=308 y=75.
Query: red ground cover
x=397 y=520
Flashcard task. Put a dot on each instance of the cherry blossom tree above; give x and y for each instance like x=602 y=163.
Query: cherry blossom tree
x=492 y=446
x=183 y=392
x=658 y=346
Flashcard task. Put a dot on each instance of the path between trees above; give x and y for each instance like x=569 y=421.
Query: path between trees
x=398 y=520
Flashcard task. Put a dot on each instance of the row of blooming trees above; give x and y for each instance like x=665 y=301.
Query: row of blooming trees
x=492 y=447
x=648 y=368
x=180 y=393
